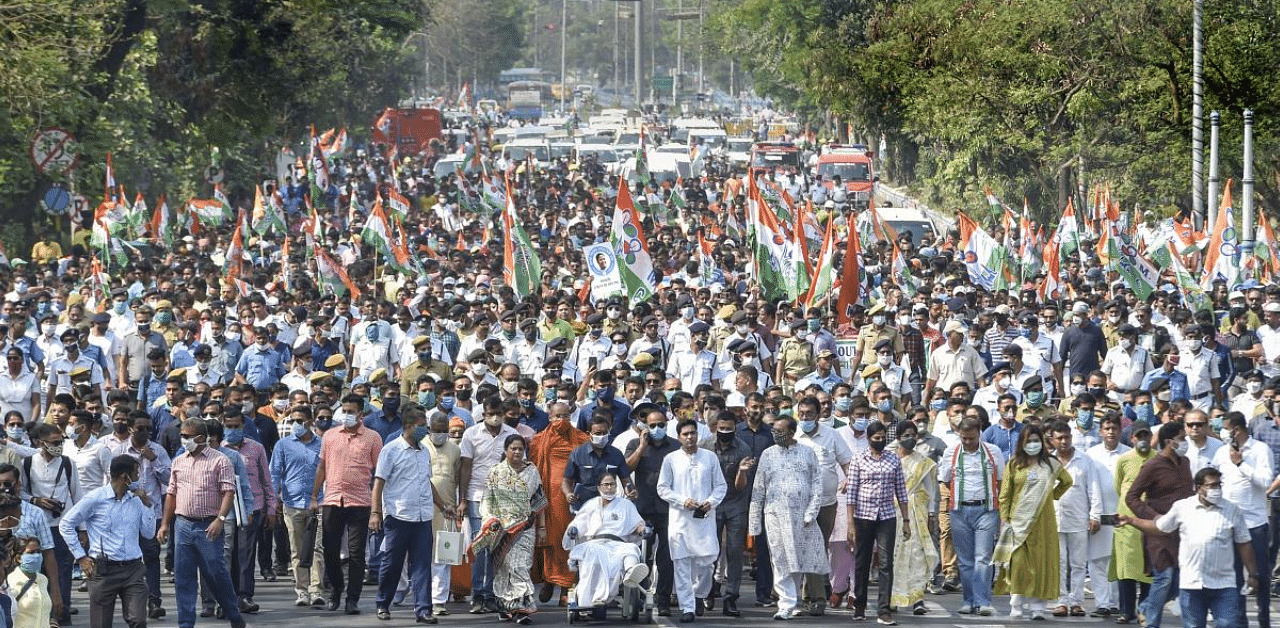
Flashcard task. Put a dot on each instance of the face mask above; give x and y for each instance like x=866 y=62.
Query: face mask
x=135 y=485
x=1194 y=345
x=53 y=450
x=1211 y=495
x=438 y=438
x=71 y=432
x=349 y=421
x=1035 y=398
x=1254 y=388
x=1097 y=393
x=596 y=333
x=189 y=444
x=299 y=429
x=340 y=374
x=877 y=445
x=813 y=324
x=31 y=563
x=420 y=432
x=1077 y=390
x=120 y=307
x=233 y=337
x=1002 y=382
x=234 y=436
x=908 y=443
x=878 y=321
x=808 y=426
x=605 y=395
x=1113 y=318
x=884 y=405
x=842 y=403
x=1144 y=412
x=742 y=329
x=614 y=314
x=884 y=360
x=1084 y=419
x=938 y=404
x=725 y=437
x=480 y=369
x=371 y=332
x=1143 y=446
x=1126 y=343
x=280 y=404
x=1032 y=448
x=599 y=440
x=860 y=425
x=164 y=318
x=658 y=433
x=1181 y=448
x=493 y=421
x=248 y=409
x=1225 y=434
x=17 y=433
x=778 y=439
x=975 y=342
x=687 y=313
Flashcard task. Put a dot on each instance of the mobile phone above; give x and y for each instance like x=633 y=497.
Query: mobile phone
x=1109 y=520
x=592 y=363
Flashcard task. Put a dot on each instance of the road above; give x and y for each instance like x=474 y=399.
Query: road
x=278 y=611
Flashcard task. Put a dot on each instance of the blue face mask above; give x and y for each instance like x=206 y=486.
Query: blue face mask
x=813 y=324
x=843 y=403
x=525 y=403
x=658 y=433
x=31 y=563
x=425 y=356
x=324 y=424
x=884 y=405
x=548 y=395
x=299 y=430
x=121 y=307
x=605 y=395
x=1215 y=424
x=340 y=374
x=808 y=426
x=861 y=424
x=391 y=405
x=135 y=485
x=420 y=433
x=234 y=436
x=371 y=332
x=938 y=404
x=1084 y=419
x=445 y=403
x=1144 y=412
x=669 y=394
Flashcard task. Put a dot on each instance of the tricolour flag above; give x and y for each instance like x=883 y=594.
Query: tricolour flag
x=1267 y=251
x=1192 y=295
x=377 y=231
x=332 y=275
x=706 y=261
x=335 y=144
x=521 y=268
x=1221 y=258
x=1050 y=288
x=137 y=217
x=208 y=212
x=162 y=221
x=235 y=252
x=779 y=262
x=219 y=195
x=983 y=257
x=398 y=204
x=824 y=272
x=631 y=248
x=1067 y=236
x=109 y=184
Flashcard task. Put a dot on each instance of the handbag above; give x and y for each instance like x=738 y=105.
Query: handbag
x=449 y=547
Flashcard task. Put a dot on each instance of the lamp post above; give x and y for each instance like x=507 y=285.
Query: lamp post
x=1197 y=112
x=1215 y=181
x=1246 y=192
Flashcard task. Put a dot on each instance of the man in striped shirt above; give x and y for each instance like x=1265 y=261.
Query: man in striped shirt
x=201 y=490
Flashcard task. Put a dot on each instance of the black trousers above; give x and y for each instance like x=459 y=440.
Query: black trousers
x=127 y=582
x=337 y=520
x=873 y=533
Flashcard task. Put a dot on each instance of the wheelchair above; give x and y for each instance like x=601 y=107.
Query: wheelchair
x=634 y=604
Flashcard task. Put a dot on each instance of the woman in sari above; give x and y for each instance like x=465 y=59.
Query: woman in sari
x=914 y=556
x=1026 y=554
x=514 y=498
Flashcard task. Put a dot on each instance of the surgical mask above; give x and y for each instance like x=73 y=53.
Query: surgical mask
x=280 y=404
x=613 y=314
x=813 y=324
x=1194 y=345
x=1032 y=448
x=480 y=369
x=135 y=485
x=884 y=360
x=72 y=432
x=31 y=563
x=349 y=420
x=877 y=320
x=742 y=328
x=18 y=433
x=808 y=426
x=1181 y=448
x=1211 y=495
x=340 y=374
x=877 y=445
x=1144 y=412
x=1077 y=390
x=908 y=444
x=1084 y=419
x=658 y=433
x=1253 y=387
x=1225 y=434
x=860 y=425
x=687 y=313
x=46 y=329
x=233 y=336
x=299 y=429
x=619 y=348
x=371 y=332
x=439 y=438
x=54 y=450
x=510 y=387
x=884 y=405
x=843 y=403
x=420 y=432
x=189 y=444
x=1126 y=343
x=234 y=436
x=1035 y=398
x=1002 y=382
x=120 y=307
x=599 y=440
x=1215 y=423
x=938 y=404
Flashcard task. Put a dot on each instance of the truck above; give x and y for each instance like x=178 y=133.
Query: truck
x=780 y=158
x=853 y=164
x=409 y=129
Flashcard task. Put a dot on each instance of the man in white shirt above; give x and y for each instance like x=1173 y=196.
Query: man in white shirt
x=1203 y=368
x=696 y=365
x=1039 y=351
x=1246 y=468
x=1125 y=364
x=692 y=483
x=972 y=470
x=1201 y=447
x=1212 y=535
x=1079 y=512
x=1105 y=455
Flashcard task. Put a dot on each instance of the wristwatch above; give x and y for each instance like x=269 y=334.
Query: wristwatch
x=222 y=518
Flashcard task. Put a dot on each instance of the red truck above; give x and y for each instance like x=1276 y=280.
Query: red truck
x=410 y=130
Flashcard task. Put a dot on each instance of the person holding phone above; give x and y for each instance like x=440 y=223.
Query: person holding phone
x=1246 y=468
x=692 y=483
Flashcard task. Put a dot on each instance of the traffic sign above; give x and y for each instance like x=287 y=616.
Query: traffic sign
x=663 y=84
x=53 y=151
x=57 y=200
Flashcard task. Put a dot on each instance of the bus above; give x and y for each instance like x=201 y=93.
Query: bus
x=506 y=77
x=526 y=99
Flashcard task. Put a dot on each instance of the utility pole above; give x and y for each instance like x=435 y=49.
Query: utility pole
x=1247 y=219
x=701 y=35
x=1197 y=113
x=638 y=61
x=564 y=27
x=1215 y=182
x=616 y=86
x=675 y=77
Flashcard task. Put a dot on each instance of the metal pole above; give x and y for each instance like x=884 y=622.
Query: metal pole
x=1215 y=181
x=616 y=87
x=675 y=77
x=701 y=34
x=637 y=61
x=564 y=26
x=1080 y=184
x=1246 y=218
x=1197 y=112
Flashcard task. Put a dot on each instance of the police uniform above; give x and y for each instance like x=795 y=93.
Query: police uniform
x=869 y=337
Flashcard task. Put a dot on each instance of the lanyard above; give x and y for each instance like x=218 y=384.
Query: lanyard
x=982 y=459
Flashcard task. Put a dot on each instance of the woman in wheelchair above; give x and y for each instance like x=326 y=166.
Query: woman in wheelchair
x=604 y=546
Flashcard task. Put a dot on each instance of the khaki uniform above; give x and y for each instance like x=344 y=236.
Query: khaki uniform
x=168 y=332
x=869 y=337
x=410 y=374
x=1040 y=415
x=796 y=359
x=612 y=326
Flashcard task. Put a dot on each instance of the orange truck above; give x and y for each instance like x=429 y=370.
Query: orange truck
x=410 y=130
x=853 y=164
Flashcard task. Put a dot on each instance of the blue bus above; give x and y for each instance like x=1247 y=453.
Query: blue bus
x=506 y=77
x=526 y=99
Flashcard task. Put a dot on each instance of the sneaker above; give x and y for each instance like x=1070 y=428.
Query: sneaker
x=859 y=616
x=477 y=607
x=439 y=609
x=784 y=614
x=986 y=611
x=303 y=600
x=317 y=600
x=1015 y=613
x=523 y=620
x=886 y=620
x=1037 y=615
x=770 y=603
x=635 y=575
x=383 y=614
x=965 y=610
x=919 y=609
x=427 y=619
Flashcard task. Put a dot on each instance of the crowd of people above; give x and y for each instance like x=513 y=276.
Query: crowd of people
x=164 y=421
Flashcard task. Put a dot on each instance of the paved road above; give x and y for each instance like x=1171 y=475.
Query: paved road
x=276 y=600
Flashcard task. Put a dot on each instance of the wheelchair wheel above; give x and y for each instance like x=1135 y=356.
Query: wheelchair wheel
x=572 y=615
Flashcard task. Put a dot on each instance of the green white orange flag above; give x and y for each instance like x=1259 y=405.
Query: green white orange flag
x=521 y=268
x=109 y=183
x=398 y=204
x=162 y=221
x=824 y=271
x=219 y=195
x=631 y=248
x=1220 y=259
x=377 y=231
x=333 y=276
x=779 y=262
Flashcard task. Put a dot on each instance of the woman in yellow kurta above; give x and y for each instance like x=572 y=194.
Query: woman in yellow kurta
x=914 y=557
x=1026 y=554
x=1128 y=562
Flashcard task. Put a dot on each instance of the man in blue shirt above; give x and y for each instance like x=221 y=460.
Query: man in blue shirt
x=293 y=471
x=261 y=365
x=530 y=413
x=1168 y=361
x=115 y=518
x=588 y=461
x=603 y=396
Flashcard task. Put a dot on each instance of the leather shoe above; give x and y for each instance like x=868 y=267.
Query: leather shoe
x=686 y=618
x=427 y=619
x=699 y=607
x=332 y=605
x=544 y=594
x=383 y=614
x=352 y=609
x=731 y=608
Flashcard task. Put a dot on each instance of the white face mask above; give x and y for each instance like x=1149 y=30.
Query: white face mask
x=510 y=387
x=1002 y=382
x=1126 y=343
x=349 y=421
x=742 y=328
x=599 y=440
x=877 y=320
x=1254 y=388
x=1213 y=495
x=480 y=369
x=884 y=360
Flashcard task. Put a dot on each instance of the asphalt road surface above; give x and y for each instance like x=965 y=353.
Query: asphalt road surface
x=277 y=611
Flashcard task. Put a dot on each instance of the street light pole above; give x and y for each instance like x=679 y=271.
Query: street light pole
x=1197 y=112
x=1246 y=192
x=564 y=24
x=1215 y=181
x=637 y=61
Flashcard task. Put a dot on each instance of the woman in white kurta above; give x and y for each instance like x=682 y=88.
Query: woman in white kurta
x=601 y=549
x=784 y=505
x=692 y=482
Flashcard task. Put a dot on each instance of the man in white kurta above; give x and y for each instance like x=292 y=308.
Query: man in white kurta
x=693 y=484
x=1105 y=456
x=601 y=546
x=785 y=501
